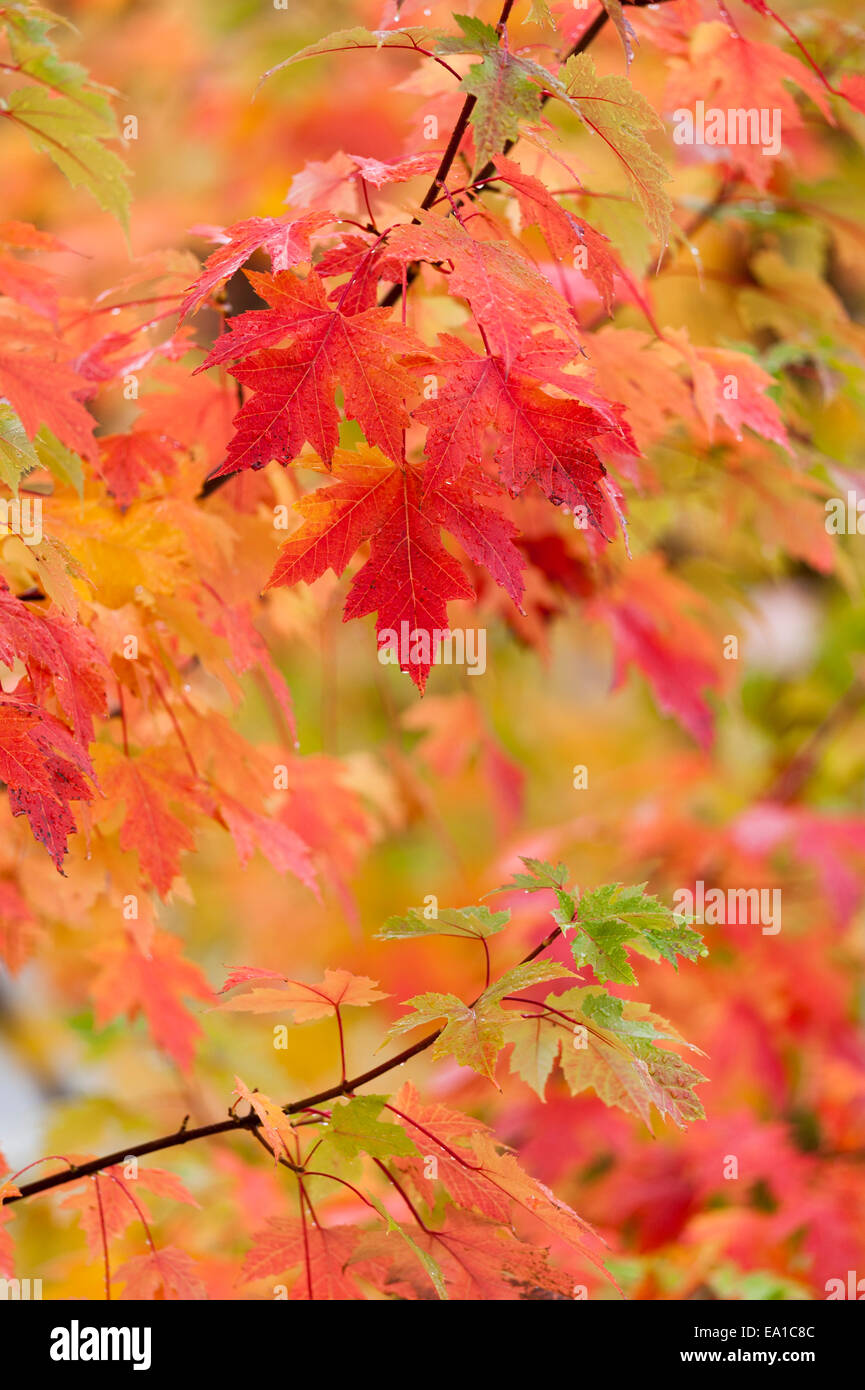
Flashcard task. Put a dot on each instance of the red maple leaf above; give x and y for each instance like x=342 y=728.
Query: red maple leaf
x=43 y=388
x=169 y=1273
x=129 y=462
x=294 y=387
x=61 y=658
x=539 y=437
x=285 y=240
x=45 y=769
x=409 y=576
x=509 y=299
x=313 y=1258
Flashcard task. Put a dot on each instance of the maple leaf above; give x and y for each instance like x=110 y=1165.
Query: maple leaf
x=361 y=258
x=130 y=462
x=19 y=928
x=540 y=438
x=380 y=1280
x=731 y=386
x=354 y=1128
x=205 y=423
x=409 y=576
x=534 y=1197
x=465 y=923
x=614 y=919
x=65 y=114
x=61 y=658
x=306 y=1002
x=45 y=769
x=509 y=299
x=168 y=1273
x=337 y=519
x=314 y=1257
x=724 y=71
x=473 y=1034
x=248 y=650
x=285 y=240
x=612 y=108
x=409 y=39
x=293 y=388
x=17 y=455
x=505 y=93
x=616 y=1056
x=540 y=13
x=564 y=232
x=72 y=136
x=129 y=982
x=536 y=1046
x=477 y=1259
x=449 y=1131
x=148 y=786
x=380 y=174
x=43 y=389
x=633 y=366
x=339 y=182
x=539 y=875
x=279 y=844
x=30 y=285
x=276 y=1126
x=108 y=1211
x=652 y=629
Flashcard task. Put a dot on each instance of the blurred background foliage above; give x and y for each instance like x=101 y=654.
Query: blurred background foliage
x=448 y=790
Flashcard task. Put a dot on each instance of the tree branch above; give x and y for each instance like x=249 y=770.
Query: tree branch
x=236 y=1124
x=394 y=294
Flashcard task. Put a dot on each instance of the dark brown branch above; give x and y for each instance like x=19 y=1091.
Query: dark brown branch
x=234 y=1123
x=394 y=294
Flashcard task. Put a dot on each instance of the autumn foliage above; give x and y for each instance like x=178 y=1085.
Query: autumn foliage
x=538 y=975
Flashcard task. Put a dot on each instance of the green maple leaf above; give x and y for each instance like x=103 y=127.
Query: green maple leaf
x=60 y=461
x=540 y=13
x=66 y=115
x=410 y=38
x=505 y=97
x=613 y=918
x=505 y=89
x=17 y=455
x=608 y=1012
x=533 y=972
x=72 y=135
x=355 y=1129
x=473 y=1034
x=471 y=923
x=612 y=108
x=605 y=950
x=539 y=874
x=615 y=1055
